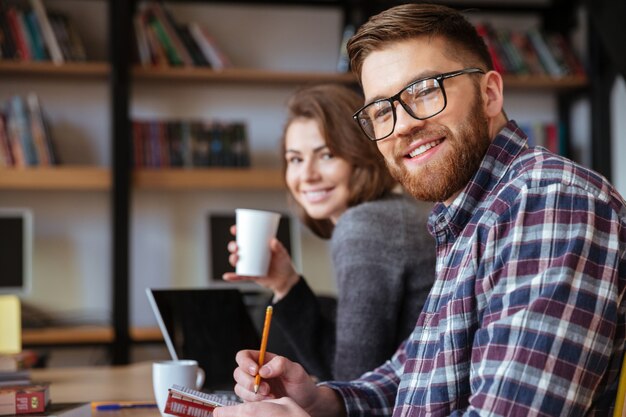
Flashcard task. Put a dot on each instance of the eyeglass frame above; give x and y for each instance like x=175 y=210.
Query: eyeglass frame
x=396 y=97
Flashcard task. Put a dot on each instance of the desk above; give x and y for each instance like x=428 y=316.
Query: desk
x=102 y=383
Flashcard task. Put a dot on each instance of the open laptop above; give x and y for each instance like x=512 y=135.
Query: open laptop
x=209 y=325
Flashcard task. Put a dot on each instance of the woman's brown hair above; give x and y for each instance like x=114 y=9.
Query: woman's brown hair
x=331 y=106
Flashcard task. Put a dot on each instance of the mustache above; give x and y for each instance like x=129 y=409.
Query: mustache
x=441 y=132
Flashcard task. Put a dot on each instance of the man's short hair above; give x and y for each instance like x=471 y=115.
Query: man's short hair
x=414 y=20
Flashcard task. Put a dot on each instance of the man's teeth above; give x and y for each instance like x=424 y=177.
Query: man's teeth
x=424 y=148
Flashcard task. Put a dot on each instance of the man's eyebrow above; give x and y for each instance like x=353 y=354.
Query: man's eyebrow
x=420 y=76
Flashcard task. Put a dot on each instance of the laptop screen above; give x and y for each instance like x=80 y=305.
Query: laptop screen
x=209 y=325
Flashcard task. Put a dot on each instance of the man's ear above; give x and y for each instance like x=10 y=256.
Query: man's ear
x=492 y=91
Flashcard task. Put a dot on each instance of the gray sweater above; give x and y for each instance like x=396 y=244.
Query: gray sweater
x=384 y=260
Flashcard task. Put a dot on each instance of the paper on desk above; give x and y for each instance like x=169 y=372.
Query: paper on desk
x=10 y=325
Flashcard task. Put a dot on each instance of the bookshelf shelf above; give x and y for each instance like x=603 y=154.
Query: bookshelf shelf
x=71 y=69
x=85 y=335
x=209 y=178
x=535 y=82
x=77 y=178
x=239 y=75
x=249 y=75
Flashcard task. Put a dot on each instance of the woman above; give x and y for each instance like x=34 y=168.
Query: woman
x=382 y=254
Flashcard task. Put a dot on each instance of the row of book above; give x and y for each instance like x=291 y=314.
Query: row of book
x=25 y=137
x=29 y=32
x=190 y=143
x=161 y=41
x=531 y=52
x=21 y=395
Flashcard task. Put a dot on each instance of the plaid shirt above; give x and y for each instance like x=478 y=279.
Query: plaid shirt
x=527 y=315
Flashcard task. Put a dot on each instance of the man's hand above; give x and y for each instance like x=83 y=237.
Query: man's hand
x=268 y=408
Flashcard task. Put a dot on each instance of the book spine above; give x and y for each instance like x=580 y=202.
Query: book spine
x=165 y=41
x=157 y=53
x=46 y=30
x=208 y=47
x=58 y=22
x=19 y=131
x=6 y=40
x=26 y=35
x=485 y=33
x=545 y=56
x=38 y=131
x=169 y=26
x=143 y=47
x=21 y=50
x=6 y=160
x=75 y=42
x=39 y=49
x=343 y=62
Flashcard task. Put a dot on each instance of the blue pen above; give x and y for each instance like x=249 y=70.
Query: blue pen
x=120 y=406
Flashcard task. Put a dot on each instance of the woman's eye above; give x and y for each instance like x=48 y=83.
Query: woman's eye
x=294 y=160
x=326 y=155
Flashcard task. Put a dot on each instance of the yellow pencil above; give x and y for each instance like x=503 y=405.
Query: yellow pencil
x=266 y=332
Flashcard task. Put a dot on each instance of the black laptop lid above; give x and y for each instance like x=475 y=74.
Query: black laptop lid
x=209 y=326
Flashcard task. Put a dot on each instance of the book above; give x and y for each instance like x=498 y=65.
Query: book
x=38 y=48
x=143 y=47
x=170 y=27
x=16 y=377
x=187 y=402
x=46 y=30
x=7 y=42
x=6 y=159
x=65 y=410
x=24 y=399
x=343 y=62
x=20 y=135
x=213 y=54
x=21 y=48
x=38 y=131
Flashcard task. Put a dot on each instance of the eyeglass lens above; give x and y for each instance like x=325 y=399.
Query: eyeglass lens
x=421 y=100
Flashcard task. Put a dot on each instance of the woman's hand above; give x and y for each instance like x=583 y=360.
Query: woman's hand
x=281 y=275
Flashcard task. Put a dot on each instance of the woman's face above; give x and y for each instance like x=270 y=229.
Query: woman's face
x=316 y=178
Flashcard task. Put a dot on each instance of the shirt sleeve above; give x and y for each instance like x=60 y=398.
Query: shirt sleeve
x=552 y=298
x=374 y=393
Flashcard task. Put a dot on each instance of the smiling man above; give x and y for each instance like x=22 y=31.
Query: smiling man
x=527 y=314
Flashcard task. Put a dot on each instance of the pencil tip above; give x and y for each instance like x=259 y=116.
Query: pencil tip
x=256 y=388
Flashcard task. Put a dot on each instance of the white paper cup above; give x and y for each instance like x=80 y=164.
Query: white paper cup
x=255 y=229
x=167 y=373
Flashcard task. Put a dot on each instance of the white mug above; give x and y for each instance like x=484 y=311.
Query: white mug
x=182 y=372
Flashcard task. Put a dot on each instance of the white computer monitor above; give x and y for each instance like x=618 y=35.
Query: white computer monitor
x=16 y=250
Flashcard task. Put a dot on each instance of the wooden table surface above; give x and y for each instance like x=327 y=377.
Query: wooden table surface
x=102 y=383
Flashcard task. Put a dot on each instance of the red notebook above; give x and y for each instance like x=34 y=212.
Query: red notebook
x=186 y=402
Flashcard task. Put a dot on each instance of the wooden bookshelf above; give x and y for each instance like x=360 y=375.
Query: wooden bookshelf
x=85 y=335
x=209 y=178
x=78 y=178
x=76 y=70
x=241 y=75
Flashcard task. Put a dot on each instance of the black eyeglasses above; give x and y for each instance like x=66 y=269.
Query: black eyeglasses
x=421 y=99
